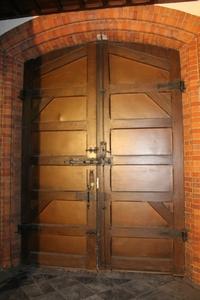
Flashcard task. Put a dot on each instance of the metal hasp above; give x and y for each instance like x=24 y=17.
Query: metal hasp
x=174 y=85
x=101 y=159
x=88 y=161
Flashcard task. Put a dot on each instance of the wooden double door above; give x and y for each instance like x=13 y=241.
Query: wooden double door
x=102 y=159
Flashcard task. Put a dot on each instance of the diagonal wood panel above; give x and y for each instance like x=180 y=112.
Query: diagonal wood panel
x=42 y=103
x=161 y=101
x=163 y=211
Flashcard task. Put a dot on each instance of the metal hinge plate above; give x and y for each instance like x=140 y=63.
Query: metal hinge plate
x=183 y=234
x=174 y=85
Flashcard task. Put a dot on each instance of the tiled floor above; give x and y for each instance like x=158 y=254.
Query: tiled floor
x=31 y=283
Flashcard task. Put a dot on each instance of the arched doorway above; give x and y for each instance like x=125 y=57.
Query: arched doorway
x=103 y=167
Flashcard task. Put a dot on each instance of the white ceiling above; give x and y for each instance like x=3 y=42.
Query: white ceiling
x=192 y=7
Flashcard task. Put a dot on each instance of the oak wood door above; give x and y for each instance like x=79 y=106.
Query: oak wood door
x=59 y=210
x=103 y=178
x=143 y=185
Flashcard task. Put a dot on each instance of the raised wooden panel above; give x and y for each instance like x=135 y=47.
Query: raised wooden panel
x=64 y=109
x=123 y=70
x=59 y=143
x=135 y=214
x=64 y=212
x=141 y=141
x=142 y=178
x=142 y=247
x=135 y=106
x=58 y=243
x=59 y=177
x=58 y=259
x=72 y=74
x=149 y=264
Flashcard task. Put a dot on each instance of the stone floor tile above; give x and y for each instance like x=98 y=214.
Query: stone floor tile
x=94 y=297
x=49 y=296
x=116 y=294
x=17 y=294
x=181 y=290
x=6 y=294
x=32 y=290
x=158 y=295
x=100 y=283
x=63 y=282
x=46 y=283
x=45 y=286
x=76 y=292
x=155 y=280
x=137 y=287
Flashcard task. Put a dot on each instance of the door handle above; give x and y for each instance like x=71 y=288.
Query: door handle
x=90 y=186
x=91 y=180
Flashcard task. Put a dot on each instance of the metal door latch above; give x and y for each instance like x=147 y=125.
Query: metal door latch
x=91 y=232
x=88 y=161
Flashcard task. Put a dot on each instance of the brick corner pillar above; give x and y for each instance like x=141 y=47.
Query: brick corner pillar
x=190 y=62
x=11 y=73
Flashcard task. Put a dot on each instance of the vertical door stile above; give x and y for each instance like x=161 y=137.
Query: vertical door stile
x=26 y=152
x=100 y=171
x=107 y=167
x=178 y=194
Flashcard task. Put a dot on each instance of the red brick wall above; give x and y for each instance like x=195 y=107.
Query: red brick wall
x=150 y=25
x=190 y=55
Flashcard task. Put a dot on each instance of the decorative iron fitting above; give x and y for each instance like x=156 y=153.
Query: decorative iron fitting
x=183 y=234
x=174 y=85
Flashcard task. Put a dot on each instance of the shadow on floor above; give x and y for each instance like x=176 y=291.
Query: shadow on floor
x=32 y=283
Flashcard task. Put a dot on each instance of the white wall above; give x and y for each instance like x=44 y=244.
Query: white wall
x=192 y=7
x=9 y=24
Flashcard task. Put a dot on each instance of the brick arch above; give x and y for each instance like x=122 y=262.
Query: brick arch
x=145 y=24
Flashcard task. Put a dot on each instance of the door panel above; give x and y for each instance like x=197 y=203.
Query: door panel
x=64 y=212
x=141 y=178
x=65 y=143
x=141 y=141
x=70 y=75
x=135 y=214
x=63 y=110
x=59 y=244
x=140 y=186
x=142 y=248
x=135 y=106
x=64 y=178
x=73 y=109
x=125 y=70
x=103 y=170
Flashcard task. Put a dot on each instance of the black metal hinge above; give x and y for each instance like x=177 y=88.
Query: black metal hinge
x=174 y=85
x=183 y=234
x=29 y=93
x=24 y=93
x=26 y=227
